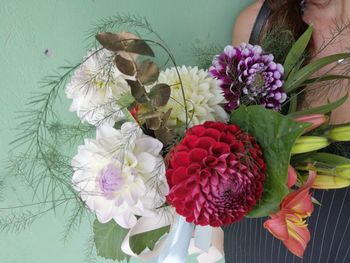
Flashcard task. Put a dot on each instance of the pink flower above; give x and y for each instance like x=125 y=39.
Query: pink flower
x=315 y=120
x=289 y=224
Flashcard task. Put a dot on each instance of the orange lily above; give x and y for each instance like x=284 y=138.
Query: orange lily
x=292 y=176
x=289 y=224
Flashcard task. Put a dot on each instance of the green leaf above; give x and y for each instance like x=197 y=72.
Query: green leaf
x=140 y=242
x=276 y=134
x=332 y=160
x=320 y=110
x=304 y=73
x=160 y=94
x=293 y=105
x=325 y=78
x=126 y=100
x=297 y=51
x=108 y=239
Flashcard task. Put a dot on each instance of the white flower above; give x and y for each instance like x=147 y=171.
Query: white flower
x=95 y=88
x=202 y=92
x=117 y=174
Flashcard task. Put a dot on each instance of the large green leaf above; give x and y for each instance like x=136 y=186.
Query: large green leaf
x=297 y=79
x=320 y=110
x=108 y=240
x=297 y=51
x=140 y=242
x=276 y=134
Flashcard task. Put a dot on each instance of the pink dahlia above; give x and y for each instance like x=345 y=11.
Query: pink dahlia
x=216 y=174
x=249 y=76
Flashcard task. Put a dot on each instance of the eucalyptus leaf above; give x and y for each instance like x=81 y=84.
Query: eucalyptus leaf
x=304 y=73
x=166 y=116
x=138 y=91
x=140 y=242
x=276 y=134
x=154 y=123
x=297 y=51
x=160 y=94
x=165 y=135
x=112 y=41
x=125 y=66
x=148 y=72
x=108 y=239
x=152 y=114
x=320 y=110
x=139 y=46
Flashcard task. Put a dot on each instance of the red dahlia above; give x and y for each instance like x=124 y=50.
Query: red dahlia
x=216 y=174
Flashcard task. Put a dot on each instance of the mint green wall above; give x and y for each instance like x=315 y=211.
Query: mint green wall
x=27 y=28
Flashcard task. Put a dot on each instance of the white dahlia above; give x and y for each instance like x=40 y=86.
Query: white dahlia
x=95 y=88
x=202 y=92
x=120 y=174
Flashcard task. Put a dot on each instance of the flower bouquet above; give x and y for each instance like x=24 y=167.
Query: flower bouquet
x=180 y=152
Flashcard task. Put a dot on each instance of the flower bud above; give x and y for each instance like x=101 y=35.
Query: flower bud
x=330 y=182
x=340 y=134
x=315 y=120
x=343 y=170
x=306 y=144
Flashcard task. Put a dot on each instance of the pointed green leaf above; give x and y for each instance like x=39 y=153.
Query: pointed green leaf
x=304 y=73
x=108 y=240
x=140 y=242
x=276 y=134
x=125 y=100
x=326 y=158
x=320 y=110
x=293 y=103
x=325 y=78
x=297 y=51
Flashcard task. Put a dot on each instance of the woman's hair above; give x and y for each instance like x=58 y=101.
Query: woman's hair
x=287 y=14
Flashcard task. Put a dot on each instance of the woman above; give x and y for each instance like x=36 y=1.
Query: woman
x=248 y=241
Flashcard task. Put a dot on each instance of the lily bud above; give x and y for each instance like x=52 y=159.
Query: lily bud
x=306 y=144
x=343 y=171
x=330 y=182
x=316 y=120
x=340 y=134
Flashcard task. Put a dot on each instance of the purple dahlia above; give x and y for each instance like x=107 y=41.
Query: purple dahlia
x=249 y=76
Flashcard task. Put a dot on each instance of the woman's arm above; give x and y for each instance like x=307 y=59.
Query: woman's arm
x=245 y=22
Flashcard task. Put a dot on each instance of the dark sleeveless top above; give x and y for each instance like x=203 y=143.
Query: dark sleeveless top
x=248 y=241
